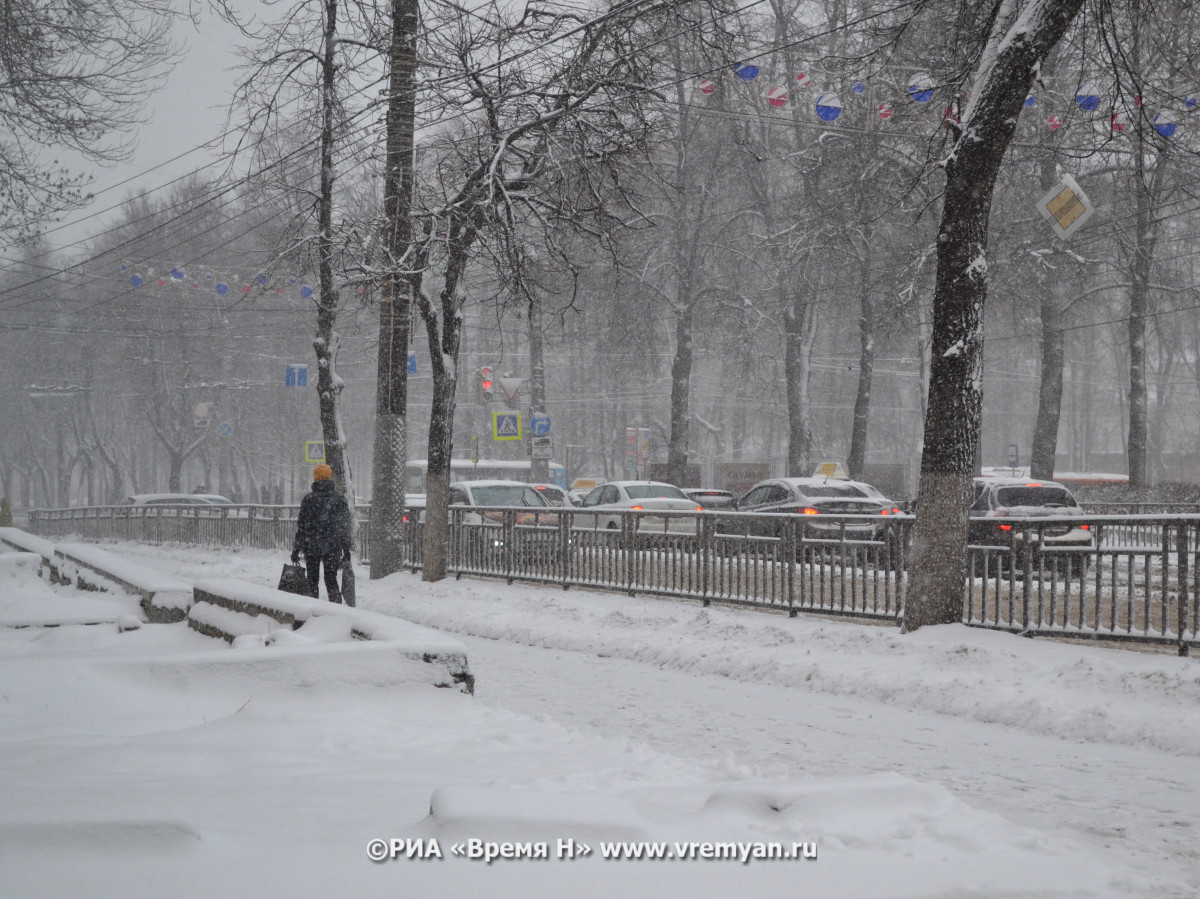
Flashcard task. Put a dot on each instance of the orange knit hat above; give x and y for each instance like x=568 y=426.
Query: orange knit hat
x=322 y=473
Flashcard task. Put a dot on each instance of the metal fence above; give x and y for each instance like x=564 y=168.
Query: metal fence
x=1138 y=581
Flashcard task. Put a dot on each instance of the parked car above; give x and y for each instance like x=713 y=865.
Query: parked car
x=555 y=495
x=536 y=525
x=177 y=499
x=608 y=501
x=712 y=499
x=814 y=498
x=998 y=500
x=581 y=487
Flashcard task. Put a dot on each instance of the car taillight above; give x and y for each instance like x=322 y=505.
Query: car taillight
x=895 y=510
x=699 y=508
x=808 y=511
x=636 y=507
x=405 y=519
x=1006 y=527
x=1085 y=527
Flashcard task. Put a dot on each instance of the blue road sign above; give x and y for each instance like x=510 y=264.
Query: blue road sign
x=412 y=363
x=539 y=423
x=296 y=376
x=506 y=425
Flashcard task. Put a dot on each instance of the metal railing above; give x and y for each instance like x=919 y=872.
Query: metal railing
x=1138 y=579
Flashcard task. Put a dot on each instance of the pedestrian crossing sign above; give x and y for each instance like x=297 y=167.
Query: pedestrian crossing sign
x=506 y=425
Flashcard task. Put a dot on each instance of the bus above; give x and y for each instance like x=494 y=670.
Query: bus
x=483 y=470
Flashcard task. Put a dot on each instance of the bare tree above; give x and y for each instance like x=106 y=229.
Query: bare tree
x=1014 y=38
x=518 y=94
x=72 y=76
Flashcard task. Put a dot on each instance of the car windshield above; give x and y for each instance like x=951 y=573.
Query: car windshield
x=508 y=495
x=1035 y=496
x=845 y=491
x=654 y=491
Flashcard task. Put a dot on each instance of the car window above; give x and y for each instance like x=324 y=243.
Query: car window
x=458 y=497
x=981 y=503
x=776 y=493
x=553 y=497
x=655 y=491
x=610 y=494
x=593 y=498
x=508 y=495
x=1035 y=496
x=754 y=497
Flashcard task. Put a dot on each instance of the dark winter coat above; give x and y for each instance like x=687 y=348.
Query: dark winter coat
x=323 y=528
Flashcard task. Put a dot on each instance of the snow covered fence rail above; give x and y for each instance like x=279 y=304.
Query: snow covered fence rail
x=231 y=610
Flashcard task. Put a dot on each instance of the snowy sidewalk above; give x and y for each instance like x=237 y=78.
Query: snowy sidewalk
x=677 y=724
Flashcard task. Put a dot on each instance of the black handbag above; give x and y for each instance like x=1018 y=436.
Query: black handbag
x=293 y=580
x=348 y=584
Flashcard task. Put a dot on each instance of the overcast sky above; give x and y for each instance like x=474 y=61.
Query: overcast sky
x=188 y=112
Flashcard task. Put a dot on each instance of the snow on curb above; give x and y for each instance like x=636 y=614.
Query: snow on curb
x=164 y=598
x=235 y=610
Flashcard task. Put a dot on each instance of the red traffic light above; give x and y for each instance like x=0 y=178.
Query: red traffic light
x=485 y=378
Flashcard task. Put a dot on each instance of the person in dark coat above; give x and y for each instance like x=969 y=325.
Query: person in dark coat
x=323 y=533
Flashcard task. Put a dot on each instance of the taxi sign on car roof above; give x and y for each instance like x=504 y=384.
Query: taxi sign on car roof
x=832 y=470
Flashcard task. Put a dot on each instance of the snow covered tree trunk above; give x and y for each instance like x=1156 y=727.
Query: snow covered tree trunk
x=328 y=389
x=391 y=396
x=1021 y=35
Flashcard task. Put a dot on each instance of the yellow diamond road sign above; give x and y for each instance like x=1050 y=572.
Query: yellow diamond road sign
x=506 y=425
x=1066 y=207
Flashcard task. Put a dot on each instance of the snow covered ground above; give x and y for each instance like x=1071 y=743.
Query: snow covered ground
x=952 y=762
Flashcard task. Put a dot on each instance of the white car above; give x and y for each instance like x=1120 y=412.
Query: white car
x=609 y=500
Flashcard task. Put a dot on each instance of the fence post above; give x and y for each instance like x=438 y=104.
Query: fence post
x=509 y=535
x=1182 y=566
x=789 y=560
x=707 y=530
x=1027 y=586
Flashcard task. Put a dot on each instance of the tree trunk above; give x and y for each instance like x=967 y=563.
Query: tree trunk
x=1050 y=390
x=437 y=482
x=681 y=385
x=1139 y=298
x=175 y=472
x=856 y=461
x=329 y=388
x=934 y=592
x=799 y=334
x=540 y=468
x=399 y=288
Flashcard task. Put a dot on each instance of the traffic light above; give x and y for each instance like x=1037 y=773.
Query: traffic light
x=485 y=386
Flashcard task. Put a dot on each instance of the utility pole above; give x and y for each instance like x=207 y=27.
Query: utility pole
x=400 y=284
